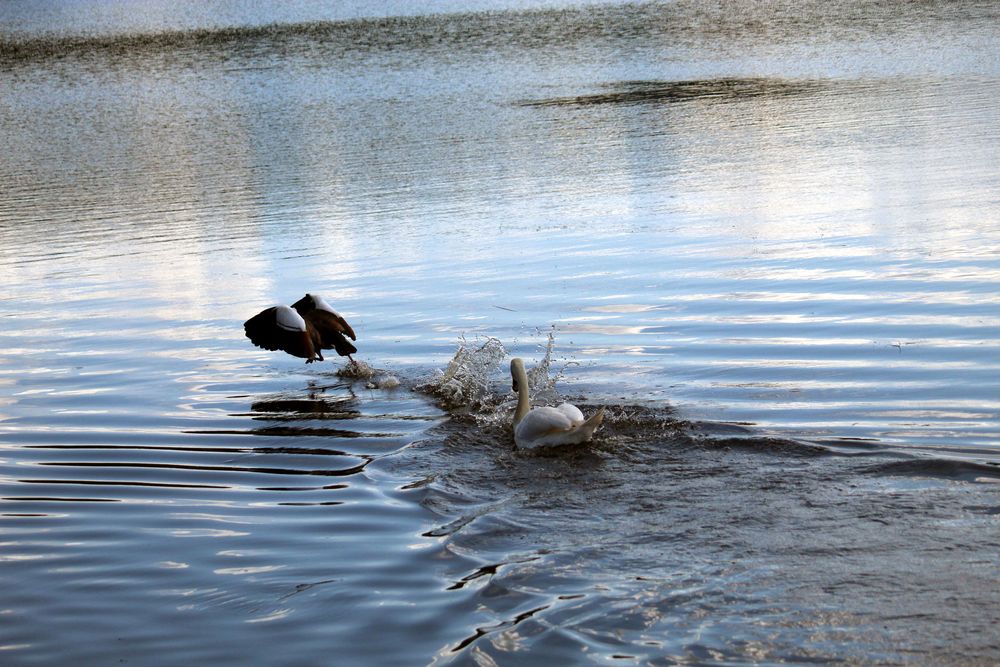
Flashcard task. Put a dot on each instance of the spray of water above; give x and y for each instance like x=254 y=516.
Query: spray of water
x=476 y=385
x=541 y=380
x=465 y=383
x=375 y=378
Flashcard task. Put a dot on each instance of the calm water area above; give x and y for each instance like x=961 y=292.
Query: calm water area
x=764 y=236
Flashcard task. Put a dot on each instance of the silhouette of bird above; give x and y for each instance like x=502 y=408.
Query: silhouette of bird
x=331 y=326
x=303 y=330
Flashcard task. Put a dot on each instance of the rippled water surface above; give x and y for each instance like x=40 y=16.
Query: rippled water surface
x=765 y=236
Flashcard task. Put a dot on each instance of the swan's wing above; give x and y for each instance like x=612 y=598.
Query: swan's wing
x=572 y=412
x=552 y=426
x=539 y=424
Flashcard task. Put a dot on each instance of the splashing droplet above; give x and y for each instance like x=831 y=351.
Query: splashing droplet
x=357 y=370
x=465 y=381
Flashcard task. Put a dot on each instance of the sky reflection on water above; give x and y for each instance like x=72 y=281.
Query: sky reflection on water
x=738 y=220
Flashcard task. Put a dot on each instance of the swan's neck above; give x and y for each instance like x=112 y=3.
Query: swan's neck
x=523 y=404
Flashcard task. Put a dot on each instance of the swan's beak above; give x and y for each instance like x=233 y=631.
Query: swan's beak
x=513 y=386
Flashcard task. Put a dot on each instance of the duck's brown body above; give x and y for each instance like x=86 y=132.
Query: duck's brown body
x=303 y=332
x=329 y=325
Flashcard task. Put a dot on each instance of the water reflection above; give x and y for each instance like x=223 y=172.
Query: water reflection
x=732 y=218
x=709 y=90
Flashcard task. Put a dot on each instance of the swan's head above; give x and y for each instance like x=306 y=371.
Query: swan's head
x=516 y=373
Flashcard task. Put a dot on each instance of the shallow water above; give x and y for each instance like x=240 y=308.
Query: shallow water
x=766 y=238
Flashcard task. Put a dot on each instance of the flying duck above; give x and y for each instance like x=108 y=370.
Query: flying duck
x=546 y=426
x=303 y=330
x=328 y=323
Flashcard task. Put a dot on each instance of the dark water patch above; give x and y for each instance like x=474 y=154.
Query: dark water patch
x=293 y=431
x=510 y=624
x=767 y=445
x=619 y=548
x=471 y=33
x=341 y=472
x=324 y=503
x=315 y=408
x=484 y=571
x=302 y=588
x=225 y=40
x=313 y=451
x=461 y=522
x=62 y=499
x=530 y=28
x=326 y=487
x=983 y=509
x=154 y=448
x=667 y=92
x=654 y=525
x=165 y=485
x=968 y=471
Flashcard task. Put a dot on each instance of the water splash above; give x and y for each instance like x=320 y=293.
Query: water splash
x=376 y=378
x=465 y=383
x=542 y=384
x=475 y=386
x=357 y=370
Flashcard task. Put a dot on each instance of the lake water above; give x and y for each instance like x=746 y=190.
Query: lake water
x=765 y=236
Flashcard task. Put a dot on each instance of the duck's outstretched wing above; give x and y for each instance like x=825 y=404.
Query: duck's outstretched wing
x=317 y=305
x=262 y=330
x=332 y=329
x=344 y=327
x=281 y=328
x=337 y=341
x=331 y=337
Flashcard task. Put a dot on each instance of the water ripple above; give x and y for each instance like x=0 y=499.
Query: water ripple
x=762 y=235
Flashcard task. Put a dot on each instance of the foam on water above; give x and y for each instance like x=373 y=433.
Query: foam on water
x=476 y=385
x=464 y=385
x=375 y=378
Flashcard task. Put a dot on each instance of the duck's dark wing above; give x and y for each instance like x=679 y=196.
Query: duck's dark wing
x=271 y=330
x=263 y=331
x=340 y=344
x=345 y=327
x=342 y=325
x=331 y=329
x=332 y=321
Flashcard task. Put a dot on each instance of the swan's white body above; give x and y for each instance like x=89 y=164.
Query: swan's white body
x=545 y=426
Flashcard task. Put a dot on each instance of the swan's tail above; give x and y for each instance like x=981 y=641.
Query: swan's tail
x=588 y=427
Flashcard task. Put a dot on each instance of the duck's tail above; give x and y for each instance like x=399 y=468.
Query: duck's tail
x=588 y=427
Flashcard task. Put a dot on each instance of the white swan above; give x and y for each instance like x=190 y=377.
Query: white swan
x=545 y=426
